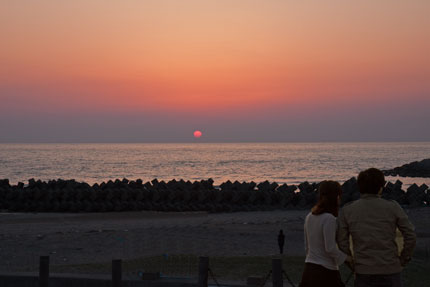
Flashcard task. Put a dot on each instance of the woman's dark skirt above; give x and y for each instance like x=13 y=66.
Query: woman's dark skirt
x=317 y=275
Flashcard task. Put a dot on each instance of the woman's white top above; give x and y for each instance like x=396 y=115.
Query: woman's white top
x=320 y=241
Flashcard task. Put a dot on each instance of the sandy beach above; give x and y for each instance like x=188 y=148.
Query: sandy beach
x=98 y=237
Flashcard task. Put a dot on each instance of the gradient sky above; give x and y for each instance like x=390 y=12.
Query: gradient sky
x=238 y=70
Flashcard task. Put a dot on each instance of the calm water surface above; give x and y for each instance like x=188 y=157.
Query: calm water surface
x=280 y=162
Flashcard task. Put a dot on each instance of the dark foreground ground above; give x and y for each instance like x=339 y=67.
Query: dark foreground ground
x=238 y=244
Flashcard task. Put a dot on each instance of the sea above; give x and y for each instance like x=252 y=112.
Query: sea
x=290 y=163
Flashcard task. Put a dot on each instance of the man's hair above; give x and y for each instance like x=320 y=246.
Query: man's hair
x=329 y=192
x=370 y=181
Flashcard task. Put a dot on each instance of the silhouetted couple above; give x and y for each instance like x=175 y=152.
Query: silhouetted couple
x=371 y=222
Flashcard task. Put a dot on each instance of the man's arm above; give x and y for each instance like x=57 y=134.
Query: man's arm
x=408 y=233
x=342 y=234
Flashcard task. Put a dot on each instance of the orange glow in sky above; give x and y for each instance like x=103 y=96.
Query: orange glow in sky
x=211 y=57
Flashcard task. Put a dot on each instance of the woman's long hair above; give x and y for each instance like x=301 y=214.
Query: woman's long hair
x=329 y=191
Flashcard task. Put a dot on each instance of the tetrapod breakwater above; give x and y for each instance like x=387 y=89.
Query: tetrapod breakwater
x=178 y=196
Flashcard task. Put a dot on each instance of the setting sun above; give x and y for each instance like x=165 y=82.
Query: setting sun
x=197 y=134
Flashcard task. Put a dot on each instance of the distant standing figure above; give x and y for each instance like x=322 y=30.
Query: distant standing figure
x=322 y=255
x=281 y=241
x=372 y=221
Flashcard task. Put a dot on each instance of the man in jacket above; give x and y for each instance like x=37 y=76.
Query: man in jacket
x=372 y=223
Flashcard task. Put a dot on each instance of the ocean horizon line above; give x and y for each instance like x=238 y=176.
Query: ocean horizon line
x=210 y=142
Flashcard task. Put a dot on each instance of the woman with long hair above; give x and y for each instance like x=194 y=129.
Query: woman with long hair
x=322 y=254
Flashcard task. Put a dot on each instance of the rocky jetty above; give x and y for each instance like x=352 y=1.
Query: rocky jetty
x=124 y=195
x=413 y=169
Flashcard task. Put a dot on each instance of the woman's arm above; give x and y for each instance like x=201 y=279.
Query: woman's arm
x=306 y=241
x=329 y=233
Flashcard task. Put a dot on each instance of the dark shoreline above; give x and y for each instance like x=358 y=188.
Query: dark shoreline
x=124 y=195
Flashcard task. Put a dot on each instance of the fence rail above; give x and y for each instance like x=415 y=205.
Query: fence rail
x=204 y=273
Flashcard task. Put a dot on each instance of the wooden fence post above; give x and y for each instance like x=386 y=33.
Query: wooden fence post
x=116 y=273
x=203 y=271
x=277 y=272
x=43 y=271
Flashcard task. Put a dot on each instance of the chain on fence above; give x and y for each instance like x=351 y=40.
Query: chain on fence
x=288 y=278
x=213 y=277
x=266 y=278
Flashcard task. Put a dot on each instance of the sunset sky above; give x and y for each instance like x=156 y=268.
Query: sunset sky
x=238 y=70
